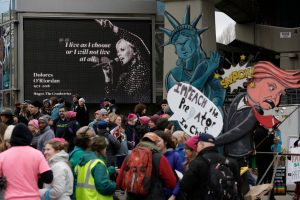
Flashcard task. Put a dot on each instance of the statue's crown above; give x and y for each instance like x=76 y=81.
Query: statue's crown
x=186 y=25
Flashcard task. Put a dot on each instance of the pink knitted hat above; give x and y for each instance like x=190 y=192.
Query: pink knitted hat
x=34 y=123
x=144 y=120
x=192 y=142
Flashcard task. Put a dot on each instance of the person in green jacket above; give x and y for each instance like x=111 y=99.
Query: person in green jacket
x=93 y=180
x=82 y=142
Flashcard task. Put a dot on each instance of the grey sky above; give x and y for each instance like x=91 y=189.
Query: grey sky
x=222 y=21
x=4 y=5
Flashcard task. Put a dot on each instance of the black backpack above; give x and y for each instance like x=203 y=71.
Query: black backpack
x=221 y=181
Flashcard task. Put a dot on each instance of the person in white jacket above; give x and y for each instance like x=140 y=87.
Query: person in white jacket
x=61 y=187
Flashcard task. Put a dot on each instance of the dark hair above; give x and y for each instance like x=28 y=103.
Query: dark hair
x=167 y=137
x=138 y=109
x=53 y=100
x=63 y=107
x=61 y=100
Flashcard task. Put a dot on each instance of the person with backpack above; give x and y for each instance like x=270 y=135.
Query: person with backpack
x=145 y=172
x=203 y=179
x=92 y=174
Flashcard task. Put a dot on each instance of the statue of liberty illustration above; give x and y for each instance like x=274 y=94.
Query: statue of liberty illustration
x=192 y=65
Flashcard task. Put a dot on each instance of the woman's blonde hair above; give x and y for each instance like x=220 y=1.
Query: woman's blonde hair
x=59 y=145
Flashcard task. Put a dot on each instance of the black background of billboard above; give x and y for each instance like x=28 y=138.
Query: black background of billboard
x=44 y=53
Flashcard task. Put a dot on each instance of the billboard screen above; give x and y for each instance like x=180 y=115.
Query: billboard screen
x=95 y=58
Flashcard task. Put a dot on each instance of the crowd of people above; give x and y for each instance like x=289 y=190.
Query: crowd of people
x=61 y=153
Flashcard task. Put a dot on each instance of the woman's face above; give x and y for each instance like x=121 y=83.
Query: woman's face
x=151 y=124
x=160 y=144
x=174 y=139
x=188 y=153
x=49 y=152
x=118 y=121
x=32 y=129
x=81 y=103
x=103 y=152
x=185 y=47
x=124 y=52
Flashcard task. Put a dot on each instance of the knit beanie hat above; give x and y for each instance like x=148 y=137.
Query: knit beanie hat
x=21 y=135
x=131 y=117
x=144 y=120
x=37 y=104
x=45 y=118
x=7 y=112
x=154 y=118
x=71 y=114
x=151 y=136
x=192 y=142
x=102 y=124
x=205 y=137
x=34 y=123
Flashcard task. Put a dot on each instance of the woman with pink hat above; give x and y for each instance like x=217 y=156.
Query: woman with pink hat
x=61 y=187
x=190 y=150
x=33 y=126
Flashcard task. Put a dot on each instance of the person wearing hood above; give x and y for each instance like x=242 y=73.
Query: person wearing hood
x=21 y=181
x=46 y=133
x=46 y=109
x=62 y=186
x=92 y=174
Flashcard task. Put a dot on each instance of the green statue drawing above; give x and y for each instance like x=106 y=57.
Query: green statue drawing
x=192 y=65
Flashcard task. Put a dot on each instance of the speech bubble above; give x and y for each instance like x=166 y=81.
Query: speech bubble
x=194 y=112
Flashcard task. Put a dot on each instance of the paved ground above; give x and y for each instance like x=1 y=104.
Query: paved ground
x=288 y=196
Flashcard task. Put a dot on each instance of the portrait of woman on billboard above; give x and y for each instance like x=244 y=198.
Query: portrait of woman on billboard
x=128 y=75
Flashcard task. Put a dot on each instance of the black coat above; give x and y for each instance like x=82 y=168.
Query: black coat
x=239 y=125
x=82 y=116
x=195 y=180
x=113 y=146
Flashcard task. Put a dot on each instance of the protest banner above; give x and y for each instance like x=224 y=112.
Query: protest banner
x=293 y=170
x=194 y=112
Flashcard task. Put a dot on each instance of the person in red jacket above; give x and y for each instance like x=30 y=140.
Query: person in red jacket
x=162 y=173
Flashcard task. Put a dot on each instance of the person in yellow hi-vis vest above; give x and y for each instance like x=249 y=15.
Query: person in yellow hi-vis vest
x=93 y=181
